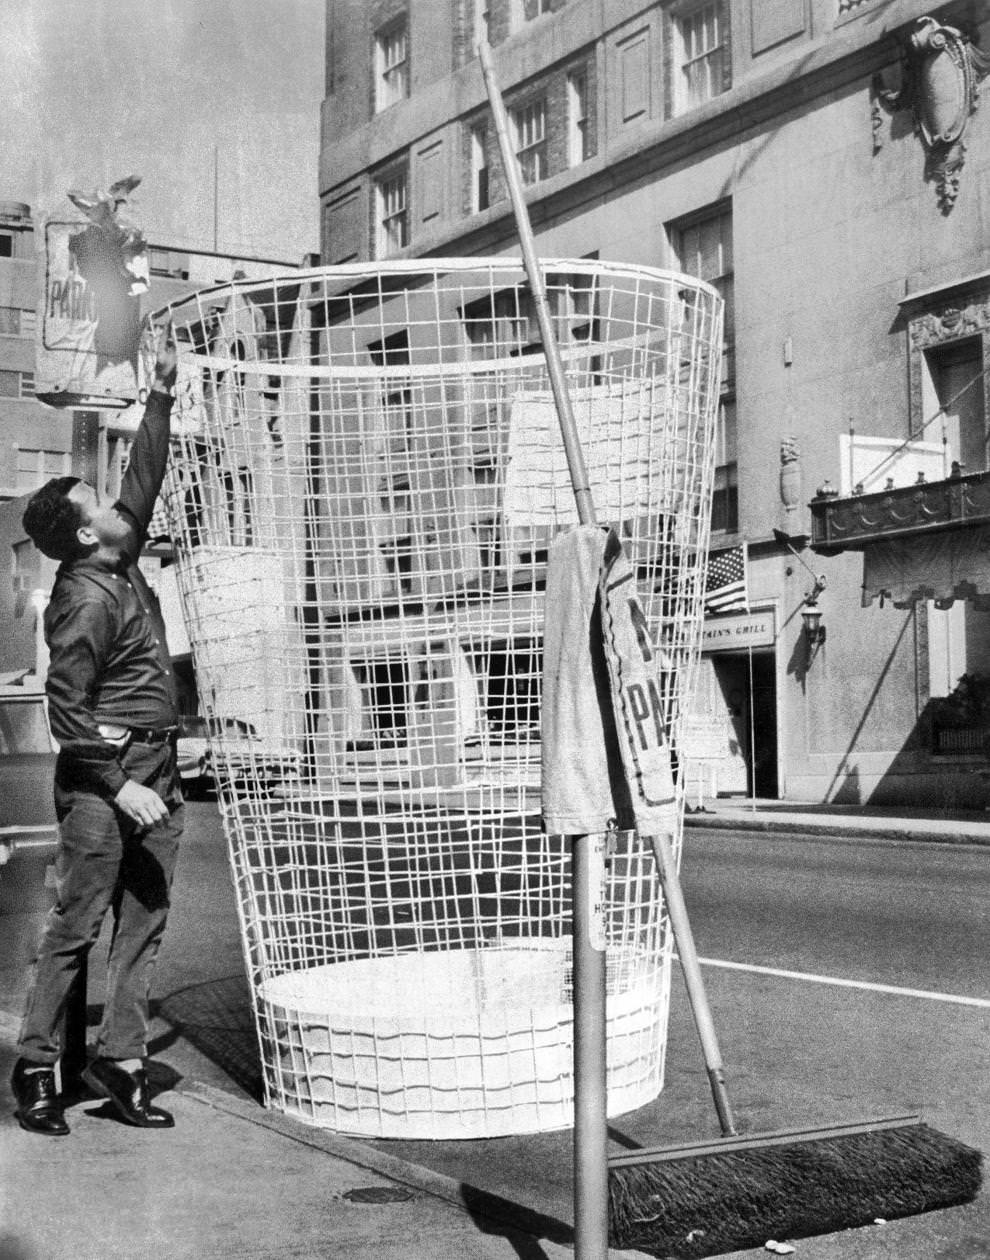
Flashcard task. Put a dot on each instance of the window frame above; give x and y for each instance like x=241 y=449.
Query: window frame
x=687 y=93
x=578 y=116
x=391 y=71
x=722 y=277
x=480 y=168
x=387 y=215
x=41 y=473
x=530 y=147
x=25 y=382
x=23 y=321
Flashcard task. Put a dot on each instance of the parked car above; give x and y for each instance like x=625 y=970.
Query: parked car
x=237 y=753
x=28 y=828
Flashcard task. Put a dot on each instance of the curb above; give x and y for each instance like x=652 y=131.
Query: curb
x=467 y=1198
x=839 y=828
x=474 y=1202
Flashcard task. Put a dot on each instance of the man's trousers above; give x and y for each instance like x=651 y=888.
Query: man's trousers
x=106 y=862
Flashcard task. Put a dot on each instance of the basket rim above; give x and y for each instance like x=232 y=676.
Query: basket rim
x=432 y=265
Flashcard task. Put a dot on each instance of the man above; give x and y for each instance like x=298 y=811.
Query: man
x=113 y=708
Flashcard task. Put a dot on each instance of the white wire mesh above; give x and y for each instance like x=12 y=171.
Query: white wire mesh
x=367 y=475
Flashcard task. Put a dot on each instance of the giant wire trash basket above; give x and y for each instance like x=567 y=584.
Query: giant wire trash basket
x=368 y=471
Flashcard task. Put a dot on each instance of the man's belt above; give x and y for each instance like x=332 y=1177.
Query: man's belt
x=124 y=735
x=152 y=734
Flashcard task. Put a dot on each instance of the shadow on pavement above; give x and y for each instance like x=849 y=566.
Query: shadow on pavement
x=215 y=1017
x=521 y=1227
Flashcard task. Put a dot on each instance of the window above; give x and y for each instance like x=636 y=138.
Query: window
x=16 y=384
x=578 y=146
x=393 y=214
x=704 y=249
x=700 y=46
x=393 y=351
x=15 y=321
x=36 y=466
x=529 y=123
x=165 y=262
x=27 y=567
x=953 y=375
x=479 y=169
x=510 y=672
x=501 y=326
x=725 y=495
x=575 y=305
x=391 y=66
x=6 y=244
x=522 y=11
x=506 y=325
x=397 y=458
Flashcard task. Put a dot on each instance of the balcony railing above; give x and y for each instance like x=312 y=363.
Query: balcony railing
x=849 y=523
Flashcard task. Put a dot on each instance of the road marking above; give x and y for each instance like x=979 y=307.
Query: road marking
x=955 y=998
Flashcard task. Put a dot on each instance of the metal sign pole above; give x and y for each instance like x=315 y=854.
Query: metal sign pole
x=588 y=852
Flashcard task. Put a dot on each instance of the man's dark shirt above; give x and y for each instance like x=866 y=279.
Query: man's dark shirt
x=105 y=632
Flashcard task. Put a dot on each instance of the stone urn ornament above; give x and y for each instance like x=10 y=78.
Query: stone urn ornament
x=790 y=473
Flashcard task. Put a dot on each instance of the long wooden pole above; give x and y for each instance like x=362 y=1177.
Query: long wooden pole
x=555 y=368
x=588 y=852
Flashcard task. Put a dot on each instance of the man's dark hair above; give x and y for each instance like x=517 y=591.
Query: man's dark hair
x=51 y=519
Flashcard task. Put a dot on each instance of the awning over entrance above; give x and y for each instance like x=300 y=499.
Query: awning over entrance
x=944 y=566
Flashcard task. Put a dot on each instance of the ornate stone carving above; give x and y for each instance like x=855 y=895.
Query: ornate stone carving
x=963 y=320
x=940 y=85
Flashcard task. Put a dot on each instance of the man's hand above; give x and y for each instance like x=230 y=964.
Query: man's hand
x=141 y=804
x=167 y=359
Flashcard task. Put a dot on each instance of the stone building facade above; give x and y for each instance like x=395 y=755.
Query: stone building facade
x=787 y=152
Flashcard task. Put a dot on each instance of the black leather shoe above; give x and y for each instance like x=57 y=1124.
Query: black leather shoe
x=128 y=1094
x=39 y=1108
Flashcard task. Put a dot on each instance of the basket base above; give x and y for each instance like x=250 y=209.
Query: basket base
x=456 y=1044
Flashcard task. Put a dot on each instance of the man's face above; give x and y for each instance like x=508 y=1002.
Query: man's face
x=101 y=522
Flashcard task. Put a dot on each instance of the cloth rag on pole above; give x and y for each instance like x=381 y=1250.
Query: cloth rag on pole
x=606 y=757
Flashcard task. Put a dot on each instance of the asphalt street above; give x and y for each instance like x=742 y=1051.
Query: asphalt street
x=847 y=980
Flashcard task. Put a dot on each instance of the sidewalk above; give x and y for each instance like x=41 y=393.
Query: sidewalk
x=232 y=1179
x=864 y=822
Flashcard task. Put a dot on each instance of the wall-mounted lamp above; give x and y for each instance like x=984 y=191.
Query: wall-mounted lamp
x=811 y=616
x=814 y=631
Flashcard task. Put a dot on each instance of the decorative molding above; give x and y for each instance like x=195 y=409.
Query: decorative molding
x=940 y=322
x=950 y=322
x=849 y=523
x=941 y=73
